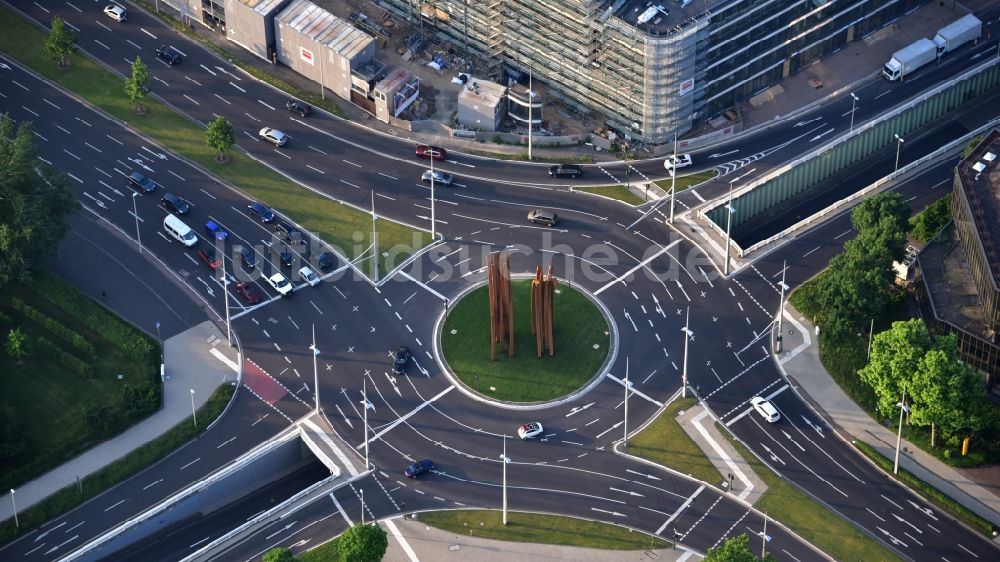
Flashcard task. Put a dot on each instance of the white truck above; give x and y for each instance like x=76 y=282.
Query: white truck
x=909 y=58
x=957 y=33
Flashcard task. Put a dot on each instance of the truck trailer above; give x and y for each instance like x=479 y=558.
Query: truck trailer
x=909 y=58
x=957 y=33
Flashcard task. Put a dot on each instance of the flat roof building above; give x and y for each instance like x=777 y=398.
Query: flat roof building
x=481 y=104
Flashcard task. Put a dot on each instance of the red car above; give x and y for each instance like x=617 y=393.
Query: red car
x=249 y=292
x=209 y=258
x=431 y=152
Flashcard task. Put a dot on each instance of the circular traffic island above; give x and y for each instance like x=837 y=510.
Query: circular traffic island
x=580 y=335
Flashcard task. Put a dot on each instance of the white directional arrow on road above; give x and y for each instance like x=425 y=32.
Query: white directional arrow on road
x=601 y=434
x=626 y=492
x=720 y=155
x=392 y=380
x=650 y=476
x=789 y=437
x=821 y=135
x=774 y=457
x=224 y=71
x=804 y=123
x=925 y=510
x=614 y=513
x=579 y=409
x=159 y=155
x=818 y=429
x=892 y=539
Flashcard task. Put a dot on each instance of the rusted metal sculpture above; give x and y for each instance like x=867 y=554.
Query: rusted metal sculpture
x=542 y=292
x=501 y=305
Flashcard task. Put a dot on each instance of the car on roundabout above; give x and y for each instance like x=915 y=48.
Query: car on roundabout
x=765 y=409
x=418 y=468
x=309 y=276
x=281 y=284
x=671 y=163
x=400 y=359
x=530 y=430
x=248 y=291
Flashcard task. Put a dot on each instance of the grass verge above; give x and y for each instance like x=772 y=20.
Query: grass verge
x=326 y=552
x=523 y=156
x=331 y=220
x=684 y=182
x=121 y=469
x=88 y=375
x=930 y=493
x=581 y=341
x=665 y=442
x=811 y=520
x=619 y=192
x=541 y=529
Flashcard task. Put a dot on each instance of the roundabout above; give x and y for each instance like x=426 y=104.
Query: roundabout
x=582 y=342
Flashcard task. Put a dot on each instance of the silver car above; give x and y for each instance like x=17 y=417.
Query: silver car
x=440 y=178
x=273 y=136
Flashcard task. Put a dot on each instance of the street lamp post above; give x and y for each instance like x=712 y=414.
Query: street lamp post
x=362 y=490
x=194 y=414
x=687 y=336
x=17 y=524
x=627 y=385
x=729 y=225
x=135 y=212
x=899 y=435
x=433 y=222
x=504 y=460
x=673 y=181
x=225 y=288
x=899 y=144
x=854 y=101
x=781 y=307
x=531 y=104
x=375 y=238
x=316 y=369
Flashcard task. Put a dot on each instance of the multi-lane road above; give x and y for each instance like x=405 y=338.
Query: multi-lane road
x=647 y=278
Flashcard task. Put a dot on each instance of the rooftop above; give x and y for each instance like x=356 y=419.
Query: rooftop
x=484 y=91
x=979 y=176
x=262 y=7
x=660 y=17
x=324 y=28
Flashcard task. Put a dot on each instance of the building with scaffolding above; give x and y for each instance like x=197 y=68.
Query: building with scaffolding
x=651 y=68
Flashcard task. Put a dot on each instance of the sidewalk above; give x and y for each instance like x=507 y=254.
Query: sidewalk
x=428 y=544
x=197 y=359
x=806 y=375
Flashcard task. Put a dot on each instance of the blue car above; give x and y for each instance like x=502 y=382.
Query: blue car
x=215 y=231
x=418 y=468
x=249 y=257
x=262 y=212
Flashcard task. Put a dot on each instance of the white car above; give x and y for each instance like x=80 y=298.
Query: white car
x=529 y=430
x=765 y=409
x=280 y=284
x=309 y=276
x=682 y=161
x=440 y=178
x=115 y=12
x=273 y=136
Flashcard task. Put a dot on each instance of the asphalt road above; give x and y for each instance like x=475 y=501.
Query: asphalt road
x=573 y=470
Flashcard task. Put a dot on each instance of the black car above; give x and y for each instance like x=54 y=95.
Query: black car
x=325 y=260
x=287 y=257
x=565 y=171
x=296 y=106
x=400 y=359
x=169 y=55
x=175 y=203
x=138 y=181
x=418 y=468
x=249 y=257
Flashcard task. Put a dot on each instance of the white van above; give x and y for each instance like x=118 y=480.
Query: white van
x=181 y=232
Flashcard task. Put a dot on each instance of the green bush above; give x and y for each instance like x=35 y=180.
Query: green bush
x=54 y=326
x=135 y=345
x=497 y=139
x=931 y=220
x=934 y=495
x=68 y=360
x=5 y=320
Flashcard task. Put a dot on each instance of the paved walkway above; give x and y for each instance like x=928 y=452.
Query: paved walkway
x=197 y=359
x=700 y=426
x=410 y=541
x=806 y=375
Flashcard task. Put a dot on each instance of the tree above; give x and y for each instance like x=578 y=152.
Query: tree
x=220 y=136
x=887 y=217
x=363 y=543
x=278 y=555
x=12 y=440
x=136 y=85
x=947 y=393
x=736 y=549
x=896 y=356
x=34 y=202
x=60 y=42
x=17 y=343
x=932 y=219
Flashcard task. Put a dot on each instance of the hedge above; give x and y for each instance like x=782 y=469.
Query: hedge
x=54 y=326
x=932 y=494
x=67 y=360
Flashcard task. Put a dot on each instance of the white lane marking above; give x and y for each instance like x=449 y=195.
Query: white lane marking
x=402 y=541
x=341 y=510
x=424 y=285
x=637 y=267
x=408 y=415
x=683 y=506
